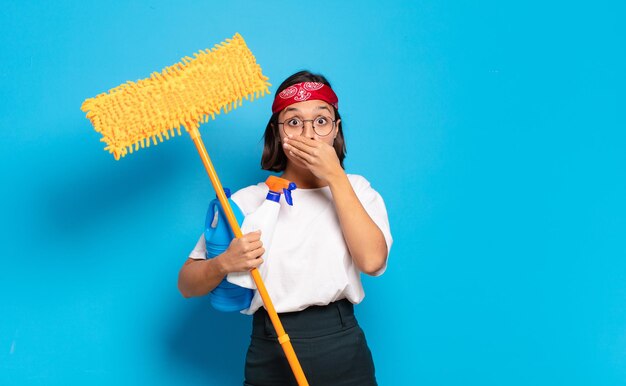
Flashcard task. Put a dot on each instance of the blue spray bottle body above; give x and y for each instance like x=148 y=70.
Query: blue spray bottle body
x=226 y=297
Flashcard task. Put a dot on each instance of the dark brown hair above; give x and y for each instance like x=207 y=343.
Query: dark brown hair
x=274 y=157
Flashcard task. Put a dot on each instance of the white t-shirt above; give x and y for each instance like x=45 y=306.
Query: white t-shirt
x=310 y=261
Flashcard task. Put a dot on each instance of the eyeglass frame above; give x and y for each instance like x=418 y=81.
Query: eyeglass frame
x=334 y=121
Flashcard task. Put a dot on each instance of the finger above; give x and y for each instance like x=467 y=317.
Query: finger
x=255 y=263
x=253 y=246
x=254 y=254
x=300 y=145
x=252 y=236
x=300 y=150
x=306 y=158
x=304 y=140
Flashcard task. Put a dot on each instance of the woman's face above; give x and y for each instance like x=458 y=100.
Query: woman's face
x=314 y=112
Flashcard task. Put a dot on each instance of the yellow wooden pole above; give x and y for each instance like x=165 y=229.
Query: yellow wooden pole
x=283 y=338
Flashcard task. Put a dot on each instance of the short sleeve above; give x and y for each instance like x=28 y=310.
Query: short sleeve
x=375 y=207
x=250 y=198
x=199 y=251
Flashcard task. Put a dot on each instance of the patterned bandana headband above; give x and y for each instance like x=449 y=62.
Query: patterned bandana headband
x=305 y=91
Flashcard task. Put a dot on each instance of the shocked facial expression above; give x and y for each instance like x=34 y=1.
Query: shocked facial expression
x=314 y=119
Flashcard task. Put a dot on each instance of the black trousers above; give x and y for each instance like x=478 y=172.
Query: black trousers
x=328 y=341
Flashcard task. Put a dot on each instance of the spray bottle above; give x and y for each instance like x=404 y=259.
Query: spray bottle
x=225 y=297
x=264 y=218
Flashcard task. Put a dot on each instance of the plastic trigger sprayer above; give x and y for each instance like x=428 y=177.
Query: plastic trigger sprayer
x=264 y=218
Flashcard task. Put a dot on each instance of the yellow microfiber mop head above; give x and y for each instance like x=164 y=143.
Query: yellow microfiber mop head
x=183 y=94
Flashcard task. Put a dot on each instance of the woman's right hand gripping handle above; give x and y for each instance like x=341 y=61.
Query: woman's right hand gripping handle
x=243 y=254
x=199 y=277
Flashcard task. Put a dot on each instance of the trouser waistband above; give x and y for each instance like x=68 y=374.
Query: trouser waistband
x=311 y=322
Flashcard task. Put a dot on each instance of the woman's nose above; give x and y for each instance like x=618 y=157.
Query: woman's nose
x=307 y=130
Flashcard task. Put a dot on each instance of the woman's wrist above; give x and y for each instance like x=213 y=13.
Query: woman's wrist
x=337 y=178
x=219 y=266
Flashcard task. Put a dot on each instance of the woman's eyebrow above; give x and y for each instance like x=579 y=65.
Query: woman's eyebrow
x=320 y=107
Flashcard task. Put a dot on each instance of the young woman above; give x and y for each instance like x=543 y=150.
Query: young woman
x=336 y=229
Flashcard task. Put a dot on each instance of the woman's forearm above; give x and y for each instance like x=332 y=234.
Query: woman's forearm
x=199 y=277
x=365 y=241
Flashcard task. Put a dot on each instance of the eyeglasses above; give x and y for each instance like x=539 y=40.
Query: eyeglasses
x=321 y=125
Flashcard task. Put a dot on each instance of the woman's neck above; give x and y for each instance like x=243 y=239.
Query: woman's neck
x=303 y=178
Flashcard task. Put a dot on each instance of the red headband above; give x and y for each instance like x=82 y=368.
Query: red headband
x=305 y=91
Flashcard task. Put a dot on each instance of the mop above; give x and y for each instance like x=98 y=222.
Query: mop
x=135 y=114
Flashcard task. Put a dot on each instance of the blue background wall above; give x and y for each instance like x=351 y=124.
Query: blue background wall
x=494 y=132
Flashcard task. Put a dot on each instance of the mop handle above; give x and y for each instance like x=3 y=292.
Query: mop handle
x=283 y=338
